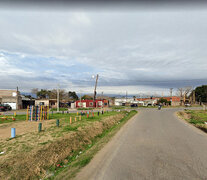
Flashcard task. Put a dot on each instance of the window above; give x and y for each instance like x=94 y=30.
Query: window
x=100 y=103
x=42 y=103
x=91 y=104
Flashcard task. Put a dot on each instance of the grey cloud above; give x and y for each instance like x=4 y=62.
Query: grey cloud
x=152 y=48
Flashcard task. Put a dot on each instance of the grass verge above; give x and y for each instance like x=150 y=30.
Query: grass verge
x=34 y=155
x=198 y=118
x=82 y=157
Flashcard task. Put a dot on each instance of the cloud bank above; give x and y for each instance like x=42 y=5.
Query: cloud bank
x=134 y=51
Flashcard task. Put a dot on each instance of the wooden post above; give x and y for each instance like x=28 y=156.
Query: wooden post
x=27 y=113
x=48 y=112
x=70 y=120
x=75 y=119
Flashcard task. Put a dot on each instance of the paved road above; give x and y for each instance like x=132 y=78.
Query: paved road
x=153 y=145
x=74 y=110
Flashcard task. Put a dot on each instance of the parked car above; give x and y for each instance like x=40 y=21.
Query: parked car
x=187 y=104
x=8 y=107
x=2 y=107
x=134 y=105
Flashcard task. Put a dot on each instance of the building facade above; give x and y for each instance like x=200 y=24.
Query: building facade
x=12 y=98
x=52 y=103
x=91 y=103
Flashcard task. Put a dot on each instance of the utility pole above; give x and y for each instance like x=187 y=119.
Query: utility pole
x=58 y=98
x=80 y=100
x=171 y=95
x=171 y=92
x=94 y=97
x=102 y=101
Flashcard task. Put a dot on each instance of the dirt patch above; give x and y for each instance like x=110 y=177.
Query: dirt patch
x=34 y=164
x=22 y=128
x=184 y=115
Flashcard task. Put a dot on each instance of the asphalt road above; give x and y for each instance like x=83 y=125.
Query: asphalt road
x=154 y=145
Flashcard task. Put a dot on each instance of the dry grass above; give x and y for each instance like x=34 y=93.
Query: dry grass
x=30 y=155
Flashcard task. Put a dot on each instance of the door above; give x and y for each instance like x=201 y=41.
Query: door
x=84 y=104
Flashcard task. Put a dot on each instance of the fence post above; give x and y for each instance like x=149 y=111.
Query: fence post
x=70 y=120
x=13 y=132
x=57 y=122
x=40 y=127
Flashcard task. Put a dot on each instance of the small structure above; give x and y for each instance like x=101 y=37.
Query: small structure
x=175 y=100
x=52 y=103
x=91 y=104
x=26 y=101
x=123 y=101
x=11 y=97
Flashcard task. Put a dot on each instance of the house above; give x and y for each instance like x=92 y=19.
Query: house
x=123 y=101
x=27 y=102
x=175 y=100
x=11 y=97
x=91 y=104
x=52 y=103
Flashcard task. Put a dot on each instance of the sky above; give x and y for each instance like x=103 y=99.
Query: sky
x=138 y=51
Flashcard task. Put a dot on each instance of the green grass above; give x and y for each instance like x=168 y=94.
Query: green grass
x=119 y=107
x=88 y=151
x=197 y=116
x=60 y=109
x=9 y=118
x=85 y=108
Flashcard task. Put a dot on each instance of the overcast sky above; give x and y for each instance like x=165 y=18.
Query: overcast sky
x=136 y=51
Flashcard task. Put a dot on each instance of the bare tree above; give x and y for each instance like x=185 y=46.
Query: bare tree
x=34 y=91
x=184 y=93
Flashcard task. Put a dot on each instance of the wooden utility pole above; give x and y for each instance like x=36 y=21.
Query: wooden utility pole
x=102 y=102
x=94 y=96
x=171 y=92
x=171 y=95
x=80 y=100
x=58 y=98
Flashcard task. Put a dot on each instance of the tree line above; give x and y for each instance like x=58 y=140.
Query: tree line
x=52 y=94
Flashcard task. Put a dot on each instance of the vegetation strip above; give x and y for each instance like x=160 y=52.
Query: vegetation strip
x=35 y=155
x=196 y=117
x=82 y=157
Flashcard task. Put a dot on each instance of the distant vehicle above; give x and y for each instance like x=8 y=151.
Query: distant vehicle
x=134 y=105
x=187 y=104
x=2 y=107
x=8 y=107
x=159 y=107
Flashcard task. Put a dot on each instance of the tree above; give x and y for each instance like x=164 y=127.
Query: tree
x=201 y=93
x=43 y=94
x=73 y=95
x=184 y=93
x=34 y=91
x=87 y=97
x=162 y=100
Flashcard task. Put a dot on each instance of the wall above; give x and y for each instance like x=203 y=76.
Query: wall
x=11 y=97
x=39 y=101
